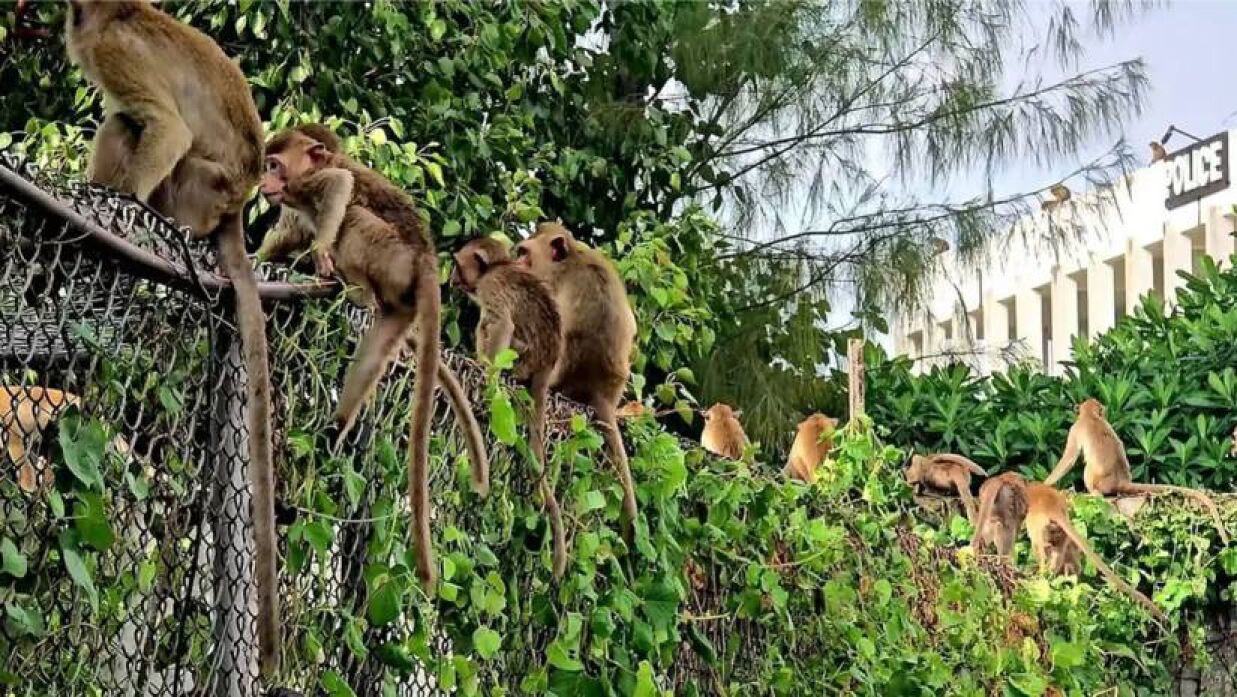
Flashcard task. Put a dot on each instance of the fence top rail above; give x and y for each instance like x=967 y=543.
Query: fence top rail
x=144 y=262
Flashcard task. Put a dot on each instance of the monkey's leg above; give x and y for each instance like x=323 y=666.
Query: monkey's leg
x=614 y=444
x=537 y=436
x=112 y=150
x=1005 y=537
x=165 y=140
x=963 y=486
x=372 y=356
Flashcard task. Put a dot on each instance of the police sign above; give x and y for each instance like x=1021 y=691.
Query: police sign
x=1197 y=171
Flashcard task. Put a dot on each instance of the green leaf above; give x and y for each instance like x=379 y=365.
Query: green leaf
x=645 y=685
x=80 y=575
x=354 y=486
x=558 y=657
x=12 y=561
x=27 y=621
x=335 y=685
x=384 y=605
x=82 y=444
x=90 y=520
x=319 y=535
x=487 y=642
x=505 y=360
x=502 y=418
x=436 y=172
x=378 y=136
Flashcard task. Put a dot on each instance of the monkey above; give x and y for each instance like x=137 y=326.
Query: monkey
x=812 y=444
x=632 y=410
x=518 y=312
x=374 y=231
x=1157 y=152
x=296 y=231
x=1002 y=511
x=182 y=134
x=599 y=333
x=25 y=413
x=1056 y=544
x=723 y=434
x=1060 y=194
x=1107 y=469
x=946 y=471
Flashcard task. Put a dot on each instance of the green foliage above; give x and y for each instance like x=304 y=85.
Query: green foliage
x=1166 y=379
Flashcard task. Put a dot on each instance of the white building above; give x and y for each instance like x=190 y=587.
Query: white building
x=1029 y=301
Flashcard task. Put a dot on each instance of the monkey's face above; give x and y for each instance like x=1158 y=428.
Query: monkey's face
x=474 y=260
x=914 y=472
x=298 y=157
x=550 y=245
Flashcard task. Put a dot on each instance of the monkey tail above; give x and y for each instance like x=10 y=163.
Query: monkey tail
x=473 y=442
x=614 y=444
x=429 y=311
x=964 y=461
x=537 y=436
x=1108 y=573
x=1204 y=499
x=230 y=241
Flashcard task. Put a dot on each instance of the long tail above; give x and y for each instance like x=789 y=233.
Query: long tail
x=536 y=429
x=467 y=422
x=964 y=461
x=963 y=485
x=230 y=241
x=1112 y=577
x=1204 y=499
x=429 y=311
x=614 y=445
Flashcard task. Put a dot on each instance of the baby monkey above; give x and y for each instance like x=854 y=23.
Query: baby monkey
x=518 y=312
x=944 y=472
x=723 y=434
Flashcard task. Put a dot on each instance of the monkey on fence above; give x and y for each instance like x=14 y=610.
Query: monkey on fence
x=945 y=472
x=599 y=333
x=1056 y=544
x=723 y=434
x=1107 y=469
x=372 y=230
x=518 y=312
x=182 y=133
x=812 y=444
x=25 y=413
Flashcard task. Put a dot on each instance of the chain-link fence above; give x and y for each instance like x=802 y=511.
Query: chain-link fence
x=125 y=555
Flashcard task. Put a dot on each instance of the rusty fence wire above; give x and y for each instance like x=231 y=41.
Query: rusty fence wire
x=125 y=555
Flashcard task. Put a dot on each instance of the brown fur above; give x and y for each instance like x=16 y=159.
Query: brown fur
x=1157 y=152
x=1056 y=544
x=1107 y=469
x=25 y=412
x=812 y=445
x=723 y=434
x=182 y=133
x=1060 y=194
x=518 y=312
x=1002 y=510
x=946 y=472
x=599 y=330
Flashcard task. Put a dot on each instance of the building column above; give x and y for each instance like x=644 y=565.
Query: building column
x=996 y=322
x=1139 y=275
x=1029 y=323
x=1064 y=308
x=1219 y=240
x=1101 y=297
x=1178 y=256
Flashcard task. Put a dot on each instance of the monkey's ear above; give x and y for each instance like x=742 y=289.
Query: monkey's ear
x=558 y=248
x=317 y=152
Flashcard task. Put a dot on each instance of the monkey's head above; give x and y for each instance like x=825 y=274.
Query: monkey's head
x=720 y=412
x=549 y=245
x=290 y=154
x=916 y=469
x=818 y=424
x=1092 y=408
x=474 y=260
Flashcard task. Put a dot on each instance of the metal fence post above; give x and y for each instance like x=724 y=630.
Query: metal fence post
x=235 y=596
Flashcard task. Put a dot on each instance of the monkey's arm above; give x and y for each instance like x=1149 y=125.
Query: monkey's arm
x=291 y=234
x=494 y=333
x=330 y=188
x=1068 y=458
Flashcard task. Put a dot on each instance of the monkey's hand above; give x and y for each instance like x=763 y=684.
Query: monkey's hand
x=324 y=262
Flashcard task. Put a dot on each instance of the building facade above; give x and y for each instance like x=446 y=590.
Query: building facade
x=1030 y=299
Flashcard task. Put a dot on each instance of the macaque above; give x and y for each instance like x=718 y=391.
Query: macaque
x=812 y=444
x=599 y=333
x=723 y=434
x=372 y=230
x=1157 y=152
x=518 y=312
x=25 y=413
x=1107 y=470
x=1002 y=510
x=1056 y=544
x=1060 y=194
x=944 y=472
x=182 y=134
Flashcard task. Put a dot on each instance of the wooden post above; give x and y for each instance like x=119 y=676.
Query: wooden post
x=856 y=390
